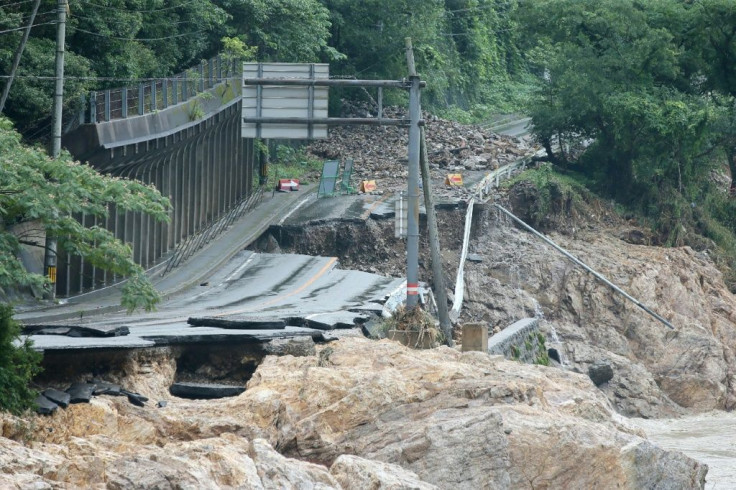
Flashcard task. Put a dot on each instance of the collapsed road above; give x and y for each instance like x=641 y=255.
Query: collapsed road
x=255 y=297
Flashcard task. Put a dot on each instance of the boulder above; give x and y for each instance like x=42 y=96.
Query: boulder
x=600 y=372
x=356 y=472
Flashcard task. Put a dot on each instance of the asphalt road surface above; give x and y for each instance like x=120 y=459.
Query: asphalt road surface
x=298 y=288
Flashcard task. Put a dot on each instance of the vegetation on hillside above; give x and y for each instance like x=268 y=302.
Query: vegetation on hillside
x=37 y=189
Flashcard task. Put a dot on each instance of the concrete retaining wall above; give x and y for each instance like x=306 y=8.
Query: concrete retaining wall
x=521 y=341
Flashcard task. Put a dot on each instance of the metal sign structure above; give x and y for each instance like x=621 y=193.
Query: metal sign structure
x=412 y=84
x=306 y=102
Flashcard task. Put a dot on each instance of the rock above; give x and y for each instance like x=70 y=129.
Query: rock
x=81 y=392
x=457 y=420
x=600 y=372
x=44 y=406
x=162 y=404
x=277 y=471
x=59 y=397
x=295 y=346
x=204 y=391
x=474 y=258
x=355 y=472
x=659 y=372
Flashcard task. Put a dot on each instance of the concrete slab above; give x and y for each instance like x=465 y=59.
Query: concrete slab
x=237 y=322
x=204 y=391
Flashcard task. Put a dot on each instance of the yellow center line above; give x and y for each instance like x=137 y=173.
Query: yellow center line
x=373 y=206
x=298 y=290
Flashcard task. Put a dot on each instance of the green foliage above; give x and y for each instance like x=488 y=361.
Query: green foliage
x=35 y=188
x=552 y=194
x=282 y=30
x=293 y=163
x=18 y=364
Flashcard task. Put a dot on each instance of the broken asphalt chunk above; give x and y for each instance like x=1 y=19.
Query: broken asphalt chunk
x=81 y=392
x=238 y=322
x=44 y=406
x=59 y=397
x=204 y=391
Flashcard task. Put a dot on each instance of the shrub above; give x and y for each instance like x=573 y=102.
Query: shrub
x=19 y=363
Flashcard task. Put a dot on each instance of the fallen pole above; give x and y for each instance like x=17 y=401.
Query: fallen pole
x=584 y=266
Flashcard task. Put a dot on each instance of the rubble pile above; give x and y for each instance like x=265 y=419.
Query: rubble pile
x=380 y=152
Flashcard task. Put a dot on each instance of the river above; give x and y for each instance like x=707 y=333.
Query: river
x=710 y=438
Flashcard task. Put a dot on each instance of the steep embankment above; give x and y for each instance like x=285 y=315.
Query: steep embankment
x=363 y=414
x=658 y=371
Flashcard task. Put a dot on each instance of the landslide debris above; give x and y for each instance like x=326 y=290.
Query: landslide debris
x=376 y=412
x=380 y=153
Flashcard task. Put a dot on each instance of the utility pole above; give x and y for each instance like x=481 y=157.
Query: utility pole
x=49 y=259
x=18 y=54
x=412 y=231
x=434 y=244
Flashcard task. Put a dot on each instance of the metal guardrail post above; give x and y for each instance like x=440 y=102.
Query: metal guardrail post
x=124 y=102
x=210 y=72
x=93 y=107
x=219 y=68
x=175 y=91
x=201 y=76
x=82 y=110
x=141 y=100
x=165 y=93
x=184 y=87
x=154 y=102
x=107 y=105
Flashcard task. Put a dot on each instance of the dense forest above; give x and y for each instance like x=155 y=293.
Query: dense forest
x=633 y=99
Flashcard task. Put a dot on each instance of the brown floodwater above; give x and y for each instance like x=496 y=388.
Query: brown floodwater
x=710 y=438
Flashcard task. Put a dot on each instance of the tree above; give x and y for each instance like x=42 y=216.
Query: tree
x=18 y=364
x=35 y=188
x=282 y=30
x=614 y=94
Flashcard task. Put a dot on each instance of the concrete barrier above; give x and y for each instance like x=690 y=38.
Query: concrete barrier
x=521 y=341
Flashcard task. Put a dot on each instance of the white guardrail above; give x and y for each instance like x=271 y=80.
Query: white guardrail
x=483 y=192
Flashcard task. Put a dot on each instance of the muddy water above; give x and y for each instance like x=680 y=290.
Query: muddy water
x=709 y=438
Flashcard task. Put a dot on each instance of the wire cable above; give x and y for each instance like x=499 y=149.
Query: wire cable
x=16 y=3
x=106 y=7
x=26 y=27
x=150 y=39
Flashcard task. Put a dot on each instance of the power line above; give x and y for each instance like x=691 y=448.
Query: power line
x=16 y=3
x=107 y=7
x=150 y=39
x=23 y=28
x=123 y=21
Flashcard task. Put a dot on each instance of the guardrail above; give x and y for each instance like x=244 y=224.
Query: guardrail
x=493 y=179
x=154 y=94
x=195 y=242
x=483 y=191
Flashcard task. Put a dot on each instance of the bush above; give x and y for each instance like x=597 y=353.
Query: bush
x=19 y=363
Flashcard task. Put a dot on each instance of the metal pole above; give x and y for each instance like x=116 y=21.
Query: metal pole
x=412 y=235
x=59 y=90
x=584 y=266
x=434 y=244
x=49 y=259
x=18 y=54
